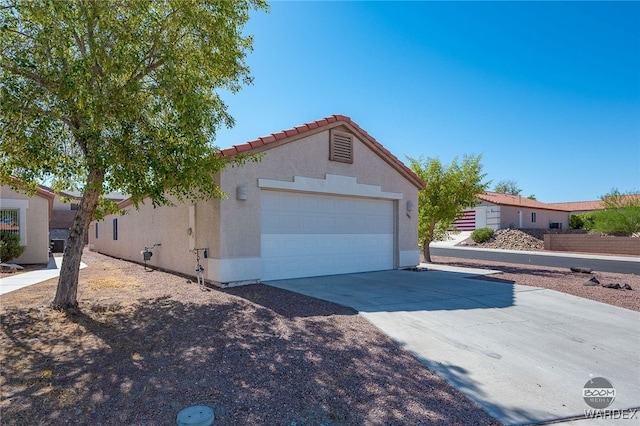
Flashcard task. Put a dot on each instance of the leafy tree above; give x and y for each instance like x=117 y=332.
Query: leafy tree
x=117 y=96
x=620 y=216
x=449 y=190
x=507 y=187
x=10 y=247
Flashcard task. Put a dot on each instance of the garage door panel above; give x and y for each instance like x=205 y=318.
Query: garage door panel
x=311 y=235
x=286 y=245
x=356 y=219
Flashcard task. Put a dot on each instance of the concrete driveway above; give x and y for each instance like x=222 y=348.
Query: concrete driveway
x=522 y=353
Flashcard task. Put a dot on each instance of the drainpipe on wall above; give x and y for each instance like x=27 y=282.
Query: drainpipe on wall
x=192 y=227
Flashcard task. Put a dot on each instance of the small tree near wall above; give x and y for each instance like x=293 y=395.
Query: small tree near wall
x=448 y=191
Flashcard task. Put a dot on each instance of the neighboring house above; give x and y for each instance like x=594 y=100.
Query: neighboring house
x=326 y=198
x=498 y=211
x=578 y=207
x=65 y=207
x=29 y=218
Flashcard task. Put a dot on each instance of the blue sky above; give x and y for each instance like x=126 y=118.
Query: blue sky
x=547 y=92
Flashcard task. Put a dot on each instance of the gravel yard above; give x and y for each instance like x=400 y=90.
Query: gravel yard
x=145 y=345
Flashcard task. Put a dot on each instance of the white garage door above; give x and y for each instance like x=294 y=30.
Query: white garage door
x=306 y=235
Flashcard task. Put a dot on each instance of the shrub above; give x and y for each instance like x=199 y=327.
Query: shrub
x=10 y=247
x=623 y=221
x=576 y=221
x=481 y=235
x=582 y=221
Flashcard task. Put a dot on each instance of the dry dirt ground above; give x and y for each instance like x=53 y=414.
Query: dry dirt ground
x=145 y=345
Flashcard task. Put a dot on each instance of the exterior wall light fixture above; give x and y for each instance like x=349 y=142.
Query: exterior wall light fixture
x=241 y=192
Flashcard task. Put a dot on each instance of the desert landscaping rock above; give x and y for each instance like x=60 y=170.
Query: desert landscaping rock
x=626 y=287
x=614 y=286
x=11 y=268
x=516 y=239
x=593 y=281
x=582 y=270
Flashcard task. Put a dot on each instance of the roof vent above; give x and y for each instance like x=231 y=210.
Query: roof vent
x=341 y=147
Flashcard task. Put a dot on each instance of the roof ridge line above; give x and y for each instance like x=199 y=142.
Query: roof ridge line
x=309 y=126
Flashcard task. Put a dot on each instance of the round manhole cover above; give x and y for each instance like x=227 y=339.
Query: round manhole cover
x=199 y=415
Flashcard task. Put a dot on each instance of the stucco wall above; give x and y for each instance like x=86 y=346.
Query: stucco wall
x=509 y=217
x=308 y=157
x=167 y=225
x=37 y=225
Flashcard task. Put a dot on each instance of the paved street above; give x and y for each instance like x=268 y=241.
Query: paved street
x=616 y=264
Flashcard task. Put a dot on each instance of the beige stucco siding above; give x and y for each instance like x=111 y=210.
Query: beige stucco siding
x=36 y=214
x=510 y=218
x=166 y=225
x=307 y=157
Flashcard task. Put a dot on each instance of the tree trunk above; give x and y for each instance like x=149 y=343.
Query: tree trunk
x=429 y=237
x=68 y=281
x=426 y=252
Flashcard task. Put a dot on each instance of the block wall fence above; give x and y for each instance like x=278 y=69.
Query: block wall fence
x=591 y=243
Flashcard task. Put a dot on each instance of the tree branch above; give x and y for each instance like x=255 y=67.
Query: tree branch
x=36 y=78
x=91 y=37
x=80 y=43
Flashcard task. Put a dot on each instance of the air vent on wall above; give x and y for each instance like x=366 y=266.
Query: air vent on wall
x=341 y=147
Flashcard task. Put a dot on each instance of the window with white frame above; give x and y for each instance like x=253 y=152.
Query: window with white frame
x=10 y=221
x=13 y=218
x=533 y=217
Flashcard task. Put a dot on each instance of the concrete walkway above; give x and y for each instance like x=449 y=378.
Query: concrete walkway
x=522 y=353
x=25 y=279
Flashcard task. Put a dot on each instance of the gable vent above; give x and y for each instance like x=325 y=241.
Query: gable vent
x=341 y=147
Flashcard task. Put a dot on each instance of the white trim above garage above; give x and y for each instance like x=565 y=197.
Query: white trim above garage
x=305 y=235
x=331 y=184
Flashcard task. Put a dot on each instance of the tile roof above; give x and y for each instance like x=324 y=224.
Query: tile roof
x=596 y=204
x=575 y=206
x=262 y=143
x=516 y=200
x=40 y=189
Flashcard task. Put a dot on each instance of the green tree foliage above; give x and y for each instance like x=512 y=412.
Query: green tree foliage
x=448 y=191
x=10 y=247
x=576 y=221
x=117 y=96
x=581 y=221
x=507 y=187
x=620 y=216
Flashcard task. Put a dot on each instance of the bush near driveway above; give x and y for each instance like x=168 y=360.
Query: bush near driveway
x=10 y=247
